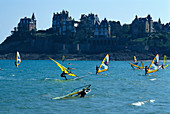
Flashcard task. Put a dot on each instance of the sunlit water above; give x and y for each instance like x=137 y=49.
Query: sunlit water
x=31 y=87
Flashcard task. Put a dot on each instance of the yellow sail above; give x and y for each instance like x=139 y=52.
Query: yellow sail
x=154 y=65
x=74 y=92
x=137 y=65
x=68 y=72
x=135 y=60
x=104 y=65
x=164 y=63
x=18 y=59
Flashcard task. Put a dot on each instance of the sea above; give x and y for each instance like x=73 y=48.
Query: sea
x=30 y=88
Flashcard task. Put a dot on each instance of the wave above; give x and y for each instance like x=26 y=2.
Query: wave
x=52 y=79
x=142 y=102
x=152 y=79
x=12 y=75
x=32 y=79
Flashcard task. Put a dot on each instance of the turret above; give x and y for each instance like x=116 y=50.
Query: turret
x=33 y=17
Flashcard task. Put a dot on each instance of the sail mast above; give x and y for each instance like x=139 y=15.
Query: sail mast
x=154 y=65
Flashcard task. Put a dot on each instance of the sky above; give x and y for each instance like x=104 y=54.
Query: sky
x=11 y=11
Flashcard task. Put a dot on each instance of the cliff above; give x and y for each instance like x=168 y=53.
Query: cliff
x=41 y=45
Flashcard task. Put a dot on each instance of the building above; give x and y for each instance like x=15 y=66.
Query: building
x=142 y=26
x=115 y=28
x=89 y=19
x=63 y=24
x=166 y=27
x=27 y=24
x=102 y=29
x=157 y=26
x=87 y=22
x=85 y=28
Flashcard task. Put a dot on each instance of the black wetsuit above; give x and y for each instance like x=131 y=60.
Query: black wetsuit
x=97 y=69
x=63 y=75
x=82 y=93
x=146 y=70
x=15 y=63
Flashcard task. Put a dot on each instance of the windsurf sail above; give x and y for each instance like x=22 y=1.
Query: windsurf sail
x=63 y=58
x=104 y=65
x=164 y=66
x=154 y=66
x=74 y=92
x=18 y=59
x=68 y=72
x=136 y=64
x=135 y=60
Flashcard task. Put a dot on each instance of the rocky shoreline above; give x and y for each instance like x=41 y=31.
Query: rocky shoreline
x=114 y=56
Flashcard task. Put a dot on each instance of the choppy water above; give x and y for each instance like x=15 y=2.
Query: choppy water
x=31 y=87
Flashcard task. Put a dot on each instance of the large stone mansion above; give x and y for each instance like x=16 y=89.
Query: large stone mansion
x=63 y=24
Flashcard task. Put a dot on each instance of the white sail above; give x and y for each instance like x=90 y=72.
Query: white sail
x=18 y=59
x=104 y=65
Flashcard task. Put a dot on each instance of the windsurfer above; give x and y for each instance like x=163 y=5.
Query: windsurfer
x=146 y=68
x=97 y=68
x=63 y=75
x=15 y=63
x=70 y=69
x=162 y=66
x=82 y=93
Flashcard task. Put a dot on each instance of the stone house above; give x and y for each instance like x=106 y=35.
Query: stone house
x=63 y=24
x=141 y=26
x=27 y=24
x=102 y=29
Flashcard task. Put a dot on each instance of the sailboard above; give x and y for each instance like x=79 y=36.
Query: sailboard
x=68 y=72
x=163 y=65
x=75 y=92
x=18 y=59
x=104 y=65
x=137 y=65
x=154 y=66
x=77 y=78
x=63 y=58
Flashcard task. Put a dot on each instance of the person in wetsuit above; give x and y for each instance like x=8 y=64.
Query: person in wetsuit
x=15 y=63
x=82 y=93
x=162 y=66
x=146 y=68
x=63 y=75
x=97 y=68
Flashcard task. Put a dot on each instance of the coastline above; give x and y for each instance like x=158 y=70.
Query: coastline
x=114 y=56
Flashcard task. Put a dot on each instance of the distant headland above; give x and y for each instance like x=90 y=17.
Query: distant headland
x=88 y=39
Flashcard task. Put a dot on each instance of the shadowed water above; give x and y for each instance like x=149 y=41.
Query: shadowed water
x=31 y=87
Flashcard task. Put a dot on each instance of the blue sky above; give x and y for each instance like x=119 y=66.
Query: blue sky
x=117 y=10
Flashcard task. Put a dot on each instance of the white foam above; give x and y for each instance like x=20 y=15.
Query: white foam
x=152 y=79
x=152 y=101
x=138 y=103
x=12 y=75
x=143 y=102
x=46 y=78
